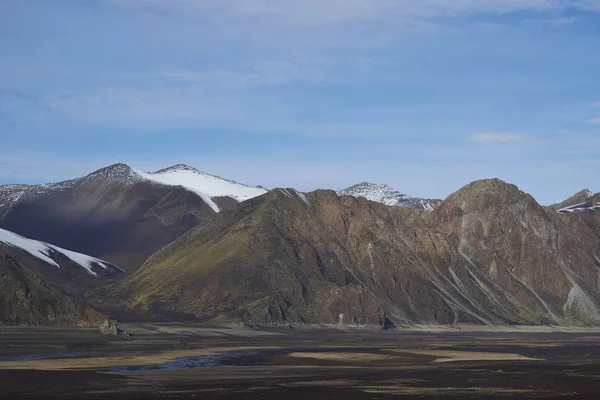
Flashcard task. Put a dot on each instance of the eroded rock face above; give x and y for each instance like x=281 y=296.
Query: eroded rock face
x=537 y=265
x=489 y=254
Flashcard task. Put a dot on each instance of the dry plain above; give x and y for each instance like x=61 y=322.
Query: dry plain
x=173 y=361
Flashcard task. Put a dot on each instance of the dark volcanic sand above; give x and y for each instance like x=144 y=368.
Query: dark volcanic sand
x=339 y=366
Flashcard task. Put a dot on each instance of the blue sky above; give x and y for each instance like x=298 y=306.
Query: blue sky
x=423 y=95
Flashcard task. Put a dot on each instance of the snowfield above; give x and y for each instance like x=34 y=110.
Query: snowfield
x=205 y=185
x=44 y=251
x=579 y=207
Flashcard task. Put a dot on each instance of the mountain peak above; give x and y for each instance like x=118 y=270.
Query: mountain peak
x=177 y=167
x=487 y=194
x=389 y=196
x=371 y=185
x=380 y=193
x=489 y=187
x=119 y=172
x=580 y=197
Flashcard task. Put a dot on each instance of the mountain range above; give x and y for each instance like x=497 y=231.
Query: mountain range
x=117 y=213
x=183 y=244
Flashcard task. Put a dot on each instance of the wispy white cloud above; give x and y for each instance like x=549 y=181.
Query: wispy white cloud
x=318 y=69
x=593 y=121
x=550 y=21
x=194 y=105
x=322 y=12
x=498 y=138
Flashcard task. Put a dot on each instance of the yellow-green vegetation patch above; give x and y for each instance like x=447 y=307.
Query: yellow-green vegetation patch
x=455 y=355
x=354 y=357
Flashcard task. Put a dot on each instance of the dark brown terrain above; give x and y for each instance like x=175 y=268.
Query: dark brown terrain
x=212 y=362
x=28 y=299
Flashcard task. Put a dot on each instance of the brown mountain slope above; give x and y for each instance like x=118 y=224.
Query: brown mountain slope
x=580 y=197
x=488 y=255
x=586 y=206
x=544 y=260
x=109 y=214
x=26 y=299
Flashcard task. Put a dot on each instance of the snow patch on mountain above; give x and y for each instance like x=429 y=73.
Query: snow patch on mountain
x=389 y=196
x=33 y=247
x=44 y=251
x=207 y=186
x=586 y=206
x=375 y=192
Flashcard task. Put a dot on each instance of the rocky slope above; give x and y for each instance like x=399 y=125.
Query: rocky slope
x=117 y=213
x=27 y=299
x=384 y=194
x=585 y=206
x=489 y=254
x=580 y=202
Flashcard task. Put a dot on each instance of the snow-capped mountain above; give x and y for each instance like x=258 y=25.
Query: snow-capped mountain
x=47 y=253
x=118 y=213
x=205 y=185
x=389 y=196
x=584 y=200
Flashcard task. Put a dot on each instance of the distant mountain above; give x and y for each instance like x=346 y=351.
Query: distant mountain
x=584 y=205
x=584 y=200
x=384 y=194
x=117 y=213
x=489 y=254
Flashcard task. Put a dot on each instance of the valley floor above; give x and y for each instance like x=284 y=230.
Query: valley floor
x=173 y=361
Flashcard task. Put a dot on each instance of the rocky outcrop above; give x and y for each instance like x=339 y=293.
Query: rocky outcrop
x=110 y=327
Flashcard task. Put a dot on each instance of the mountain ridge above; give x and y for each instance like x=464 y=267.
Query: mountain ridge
x=489 y=254
x=119 y=173
x=366 y=256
